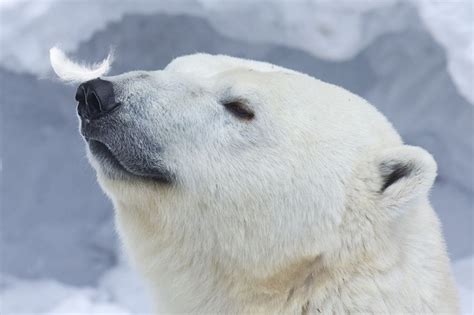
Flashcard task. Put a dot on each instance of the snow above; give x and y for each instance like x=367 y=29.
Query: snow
x=120 y=292
x=52 y=297
x=464 y=274
x=331 y=30
x=450 y=24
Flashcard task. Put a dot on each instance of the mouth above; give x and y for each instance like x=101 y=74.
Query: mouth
x=114 y=168
x=107 y=159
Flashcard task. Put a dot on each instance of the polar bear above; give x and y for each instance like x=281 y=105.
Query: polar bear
x=244 y=187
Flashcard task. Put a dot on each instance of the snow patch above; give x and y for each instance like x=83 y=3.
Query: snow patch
x=464 y=274
x=119 y=292
x=451 y=25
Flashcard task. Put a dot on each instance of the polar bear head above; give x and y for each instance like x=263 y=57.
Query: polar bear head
x=254 y=165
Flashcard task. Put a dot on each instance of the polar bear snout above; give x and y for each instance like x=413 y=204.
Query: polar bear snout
x=96 y=98
x=117 y=128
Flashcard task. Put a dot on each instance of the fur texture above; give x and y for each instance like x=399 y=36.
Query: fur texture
x=312 y=206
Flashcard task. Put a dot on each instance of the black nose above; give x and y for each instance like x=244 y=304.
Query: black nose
x=96 y=98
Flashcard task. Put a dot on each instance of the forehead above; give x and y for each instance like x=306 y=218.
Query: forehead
x=204 y=65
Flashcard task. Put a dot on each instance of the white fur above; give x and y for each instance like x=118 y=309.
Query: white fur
x=204 y=65
x=285 y=213
x=69 y=71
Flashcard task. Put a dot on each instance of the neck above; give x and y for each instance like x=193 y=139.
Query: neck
x=189 y=267
x=200 y=279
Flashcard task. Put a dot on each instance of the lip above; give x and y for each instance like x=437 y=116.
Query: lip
x=106 y=157
x=113 y=168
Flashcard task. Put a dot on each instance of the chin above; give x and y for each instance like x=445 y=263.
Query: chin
x=103 y=159
x=106 y=162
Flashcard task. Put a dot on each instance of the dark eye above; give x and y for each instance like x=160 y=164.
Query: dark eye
x=240 y=110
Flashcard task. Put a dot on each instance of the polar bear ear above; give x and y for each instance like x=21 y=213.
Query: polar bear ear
x=407 y=173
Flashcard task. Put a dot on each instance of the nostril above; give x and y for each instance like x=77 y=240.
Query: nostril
x=81 y=94
x=93 y=103
x=96 y=98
